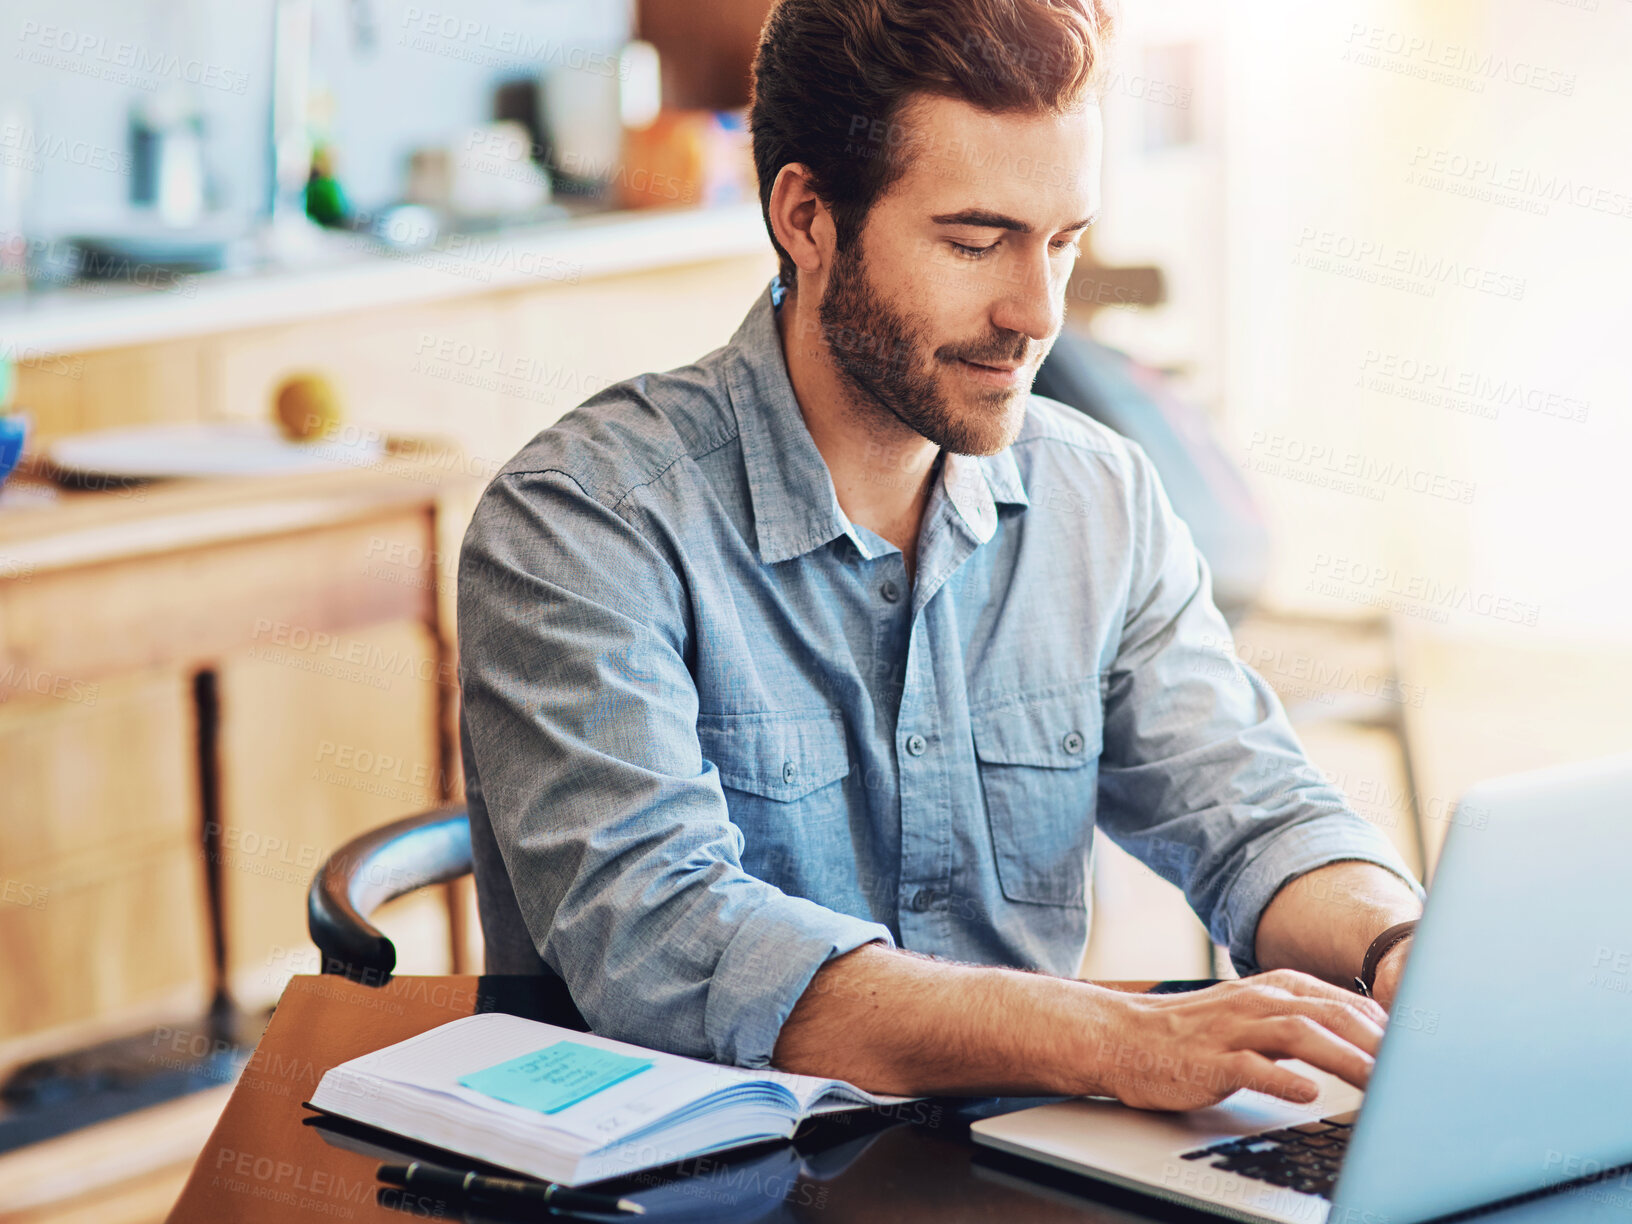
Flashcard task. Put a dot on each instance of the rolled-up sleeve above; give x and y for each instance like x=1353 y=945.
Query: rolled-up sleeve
x=582 y=713
x=1202 y=776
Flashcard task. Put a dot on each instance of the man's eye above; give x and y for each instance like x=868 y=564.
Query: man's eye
x=971 y=252
x=1065 y=244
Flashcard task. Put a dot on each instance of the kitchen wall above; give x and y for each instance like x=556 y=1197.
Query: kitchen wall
x=402 y=75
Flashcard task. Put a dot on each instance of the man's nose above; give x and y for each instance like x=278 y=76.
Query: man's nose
x=1033 y=303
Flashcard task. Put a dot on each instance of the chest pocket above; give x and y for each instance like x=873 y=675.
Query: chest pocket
x=780 y=773
x=1039 y=769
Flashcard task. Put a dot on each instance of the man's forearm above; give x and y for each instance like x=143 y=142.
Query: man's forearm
x=1323 y=921
x=896 y=1022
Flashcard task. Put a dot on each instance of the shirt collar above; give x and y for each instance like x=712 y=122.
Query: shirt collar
x=796 y=509
x=976 y=485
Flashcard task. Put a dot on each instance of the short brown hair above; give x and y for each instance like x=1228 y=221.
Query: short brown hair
x=830 y=79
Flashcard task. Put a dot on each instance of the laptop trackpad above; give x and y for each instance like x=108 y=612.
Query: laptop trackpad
x=1141 y=1148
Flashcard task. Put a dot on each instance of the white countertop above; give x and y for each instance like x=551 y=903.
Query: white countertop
x=87 y=317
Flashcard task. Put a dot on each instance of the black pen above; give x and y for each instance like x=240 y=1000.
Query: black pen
x=455 y=1183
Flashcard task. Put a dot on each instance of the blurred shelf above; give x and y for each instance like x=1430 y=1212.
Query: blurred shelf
x=566 y=252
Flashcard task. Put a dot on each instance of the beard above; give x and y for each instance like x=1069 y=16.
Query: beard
x=894 y=370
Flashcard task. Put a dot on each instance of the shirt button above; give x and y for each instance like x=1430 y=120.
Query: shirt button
x=889 y=591
x=923 y=900
x=789 y=773
x=916 y=744
x=1072 y=742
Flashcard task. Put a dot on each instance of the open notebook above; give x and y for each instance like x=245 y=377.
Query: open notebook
x=566 y=1106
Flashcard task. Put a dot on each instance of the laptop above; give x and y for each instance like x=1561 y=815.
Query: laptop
x=1505 y=1068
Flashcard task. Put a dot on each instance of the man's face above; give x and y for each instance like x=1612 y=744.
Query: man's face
x=942 y=310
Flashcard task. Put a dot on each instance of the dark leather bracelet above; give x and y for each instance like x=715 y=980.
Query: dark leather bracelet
x=1367 y=981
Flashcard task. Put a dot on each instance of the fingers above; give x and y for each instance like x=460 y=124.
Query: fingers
x=1349 y=1022
x=1250 y=1070
x=1307 y=986
x=1354 y=1018
x=1303 y=1037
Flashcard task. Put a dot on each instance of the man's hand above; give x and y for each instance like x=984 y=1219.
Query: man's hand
x=1184 y=1051
x=894 y=1021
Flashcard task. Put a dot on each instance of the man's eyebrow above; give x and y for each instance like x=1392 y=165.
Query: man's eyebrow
x=985 y=218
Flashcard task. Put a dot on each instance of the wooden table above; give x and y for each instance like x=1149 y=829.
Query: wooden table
x=271 y=1159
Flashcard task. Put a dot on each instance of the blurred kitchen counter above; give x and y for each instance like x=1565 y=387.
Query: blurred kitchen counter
x=484 y=345
x=353 y=276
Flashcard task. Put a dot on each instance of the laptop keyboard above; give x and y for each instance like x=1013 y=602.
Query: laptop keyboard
x=1304 y=1158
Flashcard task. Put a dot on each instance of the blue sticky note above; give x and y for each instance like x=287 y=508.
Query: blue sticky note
x=555 y=1077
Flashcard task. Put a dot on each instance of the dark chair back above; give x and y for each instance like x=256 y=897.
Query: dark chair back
x=368 y=871
x=1202 y=480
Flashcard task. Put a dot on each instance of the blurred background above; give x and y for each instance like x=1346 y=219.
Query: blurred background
x=283 y=282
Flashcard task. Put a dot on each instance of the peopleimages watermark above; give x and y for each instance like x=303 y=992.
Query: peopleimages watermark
x=1323 y=465
x=1387 y=586
x=1490 y=180
x=24 y=894
x=1323 y=674
x=472 y=257
x=1378 y=262
x=1612 y=969
x=326 y=654
x=1457 y=65
x=98 y=271
x=1599 y=1178
x=18 y=678
x=412 y=564
x=31 y=357
x=365 y=771
x=26 y=149
x=280 y=641
x=1439 y=384
x=520 y=375
x=1389 y=802
x=274 y=1180
x=480 y=42
x=121 y=62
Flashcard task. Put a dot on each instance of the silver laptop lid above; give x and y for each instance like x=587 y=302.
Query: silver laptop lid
x=1507 y=1065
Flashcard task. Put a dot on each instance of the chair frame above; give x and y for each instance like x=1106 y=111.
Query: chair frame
x=379 y=866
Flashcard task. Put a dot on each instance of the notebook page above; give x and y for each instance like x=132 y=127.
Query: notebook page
x=809 y=1091
x=434 y=1062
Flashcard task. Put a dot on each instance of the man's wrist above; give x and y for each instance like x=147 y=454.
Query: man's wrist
x=1104 y=1027
x=1382 y=948
x=1389 y=970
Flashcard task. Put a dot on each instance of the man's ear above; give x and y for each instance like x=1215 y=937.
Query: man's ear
x=800 y=220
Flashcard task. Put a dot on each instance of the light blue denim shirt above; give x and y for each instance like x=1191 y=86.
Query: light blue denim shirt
x=713 y=736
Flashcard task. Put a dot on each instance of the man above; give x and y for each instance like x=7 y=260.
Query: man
x=839 y=643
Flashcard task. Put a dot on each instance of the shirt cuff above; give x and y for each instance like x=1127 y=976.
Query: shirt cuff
x=1295 y=851
x=765 y=968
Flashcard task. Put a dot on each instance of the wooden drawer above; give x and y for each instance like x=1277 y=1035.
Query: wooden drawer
x=317 y=746
x=77 y=625
x=102 y=906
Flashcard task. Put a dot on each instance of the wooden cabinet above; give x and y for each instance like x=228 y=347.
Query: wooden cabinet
x=322 y=740
x=189 y=679
x=102 y=902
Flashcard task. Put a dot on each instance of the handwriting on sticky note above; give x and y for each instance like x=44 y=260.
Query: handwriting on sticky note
x=559 y=1075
